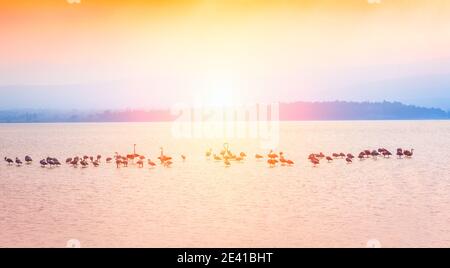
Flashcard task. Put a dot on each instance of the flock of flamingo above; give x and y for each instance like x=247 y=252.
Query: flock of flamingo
x=225 y=155
x=374 y=154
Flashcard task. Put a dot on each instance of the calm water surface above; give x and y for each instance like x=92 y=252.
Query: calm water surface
x=199 y=203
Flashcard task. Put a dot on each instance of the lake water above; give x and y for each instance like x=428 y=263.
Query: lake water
x=200 y=203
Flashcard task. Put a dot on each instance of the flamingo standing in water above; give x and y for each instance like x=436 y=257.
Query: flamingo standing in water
x=151 y=163
x=272 y=155
x=386 y=153
x=399 y=152
x=18 y=162
x=208 y=153
x=227 y=162
x=361 y=156
x=282 y=159
x=140 y=163
x=28 y=159
x=408 y=154
x=165 y=160
x=217 y=158
x=125 y=161
x=118 y=161
x=329 y=159
x=9 y=161
x=43 y=163
x=315 y=161
x=374 y=154
x=349 y=160
x=108 y=160
x=272 y=162
x=183 y=157
x=258 y=156
x=84 y=164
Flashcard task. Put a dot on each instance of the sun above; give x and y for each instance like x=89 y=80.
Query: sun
x=219 y=93
x=221 y=97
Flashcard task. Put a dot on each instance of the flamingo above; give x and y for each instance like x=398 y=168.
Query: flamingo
x=217 y=158
x=408 y=154
x=84 y=164
x=43 y=163
x=329 y=159
x=98 y=158
x=9 y=160
x=118 y=162
x=258 y=156
x=74 y=162
x=242 y=154
x=315 y=161
x=162 y=157
x=56 y=162
x=350 y=156
x=289 y=162
x=28 y=159
x=335 y=155
x=18 y=162
x=386 y=153
x=283 y=160
x=349 y=160
x=342 y=155
x=361 y=156
x=227 y=163
x=183 y=157
x=208 y=153
x=49 y=161
x=68 y=160
x=399 y=152
x=272 y=155
x=96 y=163
x=151 y=163
x=272 y=162
x=375 y=154
x=140 y=163
x=108 y=160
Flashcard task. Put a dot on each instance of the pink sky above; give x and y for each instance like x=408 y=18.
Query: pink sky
x=164 y=52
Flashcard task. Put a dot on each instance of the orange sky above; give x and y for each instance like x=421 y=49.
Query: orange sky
x=229 y=43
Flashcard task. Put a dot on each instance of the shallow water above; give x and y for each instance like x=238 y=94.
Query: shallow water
x=200 y=203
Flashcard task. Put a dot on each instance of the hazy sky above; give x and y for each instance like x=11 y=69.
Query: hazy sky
x=156 y=53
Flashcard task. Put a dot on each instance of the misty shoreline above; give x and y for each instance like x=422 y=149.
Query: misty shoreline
x=295 y=111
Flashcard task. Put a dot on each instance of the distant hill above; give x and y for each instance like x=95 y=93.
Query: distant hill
x=341 y=110
x=296 y=111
